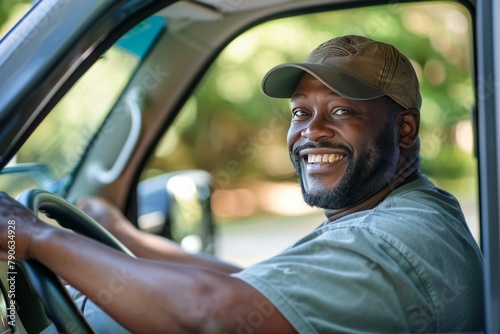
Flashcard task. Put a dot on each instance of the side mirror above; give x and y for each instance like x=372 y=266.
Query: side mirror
x=177 y=206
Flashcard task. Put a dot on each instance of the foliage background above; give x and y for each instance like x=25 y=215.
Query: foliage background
x=10 y=11
x=231 y=129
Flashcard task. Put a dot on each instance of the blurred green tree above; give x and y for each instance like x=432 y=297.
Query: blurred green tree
x=231 y=129
x=237 y=125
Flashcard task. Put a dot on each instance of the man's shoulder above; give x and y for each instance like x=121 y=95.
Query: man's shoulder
x=421 y=188
x=420 y=201
x=417 y=202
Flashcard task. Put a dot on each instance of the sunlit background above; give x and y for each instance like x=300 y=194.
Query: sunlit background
x=229 y=128
x=241 y=136
x=10 y=12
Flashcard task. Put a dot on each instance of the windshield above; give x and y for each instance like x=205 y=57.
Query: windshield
x=55 y=148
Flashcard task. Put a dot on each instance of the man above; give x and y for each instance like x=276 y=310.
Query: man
x=394 y=254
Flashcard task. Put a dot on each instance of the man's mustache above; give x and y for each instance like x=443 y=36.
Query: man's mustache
x=310 y=145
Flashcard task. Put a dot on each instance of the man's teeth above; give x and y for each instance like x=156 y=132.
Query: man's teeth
x=322 y=158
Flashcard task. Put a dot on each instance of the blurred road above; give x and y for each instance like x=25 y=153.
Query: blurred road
x=251 y=241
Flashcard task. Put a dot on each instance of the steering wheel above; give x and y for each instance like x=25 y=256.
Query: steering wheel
x=57 y=303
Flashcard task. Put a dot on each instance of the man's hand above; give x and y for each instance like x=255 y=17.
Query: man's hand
x=146 y=245
x=17 y=225
x=107 y=215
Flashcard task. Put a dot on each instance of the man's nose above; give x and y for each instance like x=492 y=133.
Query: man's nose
x=318 y=129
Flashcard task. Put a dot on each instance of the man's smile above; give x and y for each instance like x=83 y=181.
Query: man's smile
x=323 y=158
x=319 y=160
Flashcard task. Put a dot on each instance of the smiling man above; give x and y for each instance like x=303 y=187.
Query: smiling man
x=394 y=254
x=345 y=98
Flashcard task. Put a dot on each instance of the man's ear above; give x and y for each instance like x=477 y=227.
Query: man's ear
x=409 y=125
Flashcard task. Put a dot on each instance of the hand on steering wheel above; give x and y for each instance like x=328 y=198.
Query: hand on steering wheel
x=56 y=302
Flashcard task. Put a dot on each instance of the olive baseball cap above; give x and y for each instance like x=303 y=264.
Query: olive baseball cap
x=355 y=67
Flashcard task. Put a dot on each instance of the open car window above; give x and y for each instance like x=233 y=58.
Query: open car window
x=229 y=128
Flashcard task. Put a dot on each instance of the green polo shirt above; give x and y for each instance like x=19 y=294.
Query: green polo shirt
x=408 y=265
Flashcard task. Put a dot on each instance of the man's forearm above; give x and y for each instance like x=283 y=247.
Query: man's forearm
x=174 y=298
x=145 y=245
x=153 y=247
x=144 y=296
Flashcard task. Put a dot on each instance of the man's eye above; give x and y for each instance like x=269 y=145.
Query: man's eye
x=341 y=112
x=299 y=113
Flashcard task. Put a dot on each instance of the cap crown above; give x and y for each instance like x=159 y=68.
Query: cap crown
x=378 y=64
x=355 y=67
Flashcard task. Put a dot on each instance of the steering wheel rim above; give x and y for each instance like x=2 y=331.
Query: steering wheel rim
x=56 y=301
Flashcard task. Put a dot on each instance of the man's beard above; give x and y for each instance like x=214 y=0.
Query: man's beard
x=364 y=176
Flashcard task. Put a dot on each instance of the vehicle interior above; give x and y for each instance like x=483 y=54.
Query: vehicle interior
x=156 y=106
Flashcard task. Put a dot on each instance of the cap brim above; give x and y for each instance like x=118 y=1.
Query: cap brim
x=282 y=80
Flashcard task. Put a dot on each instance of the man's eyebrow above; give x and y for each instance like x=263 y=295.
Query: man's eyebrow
x=296 y=96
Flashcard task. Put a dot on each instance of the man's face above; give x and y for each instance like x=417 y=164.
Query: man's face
x=344 y=151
